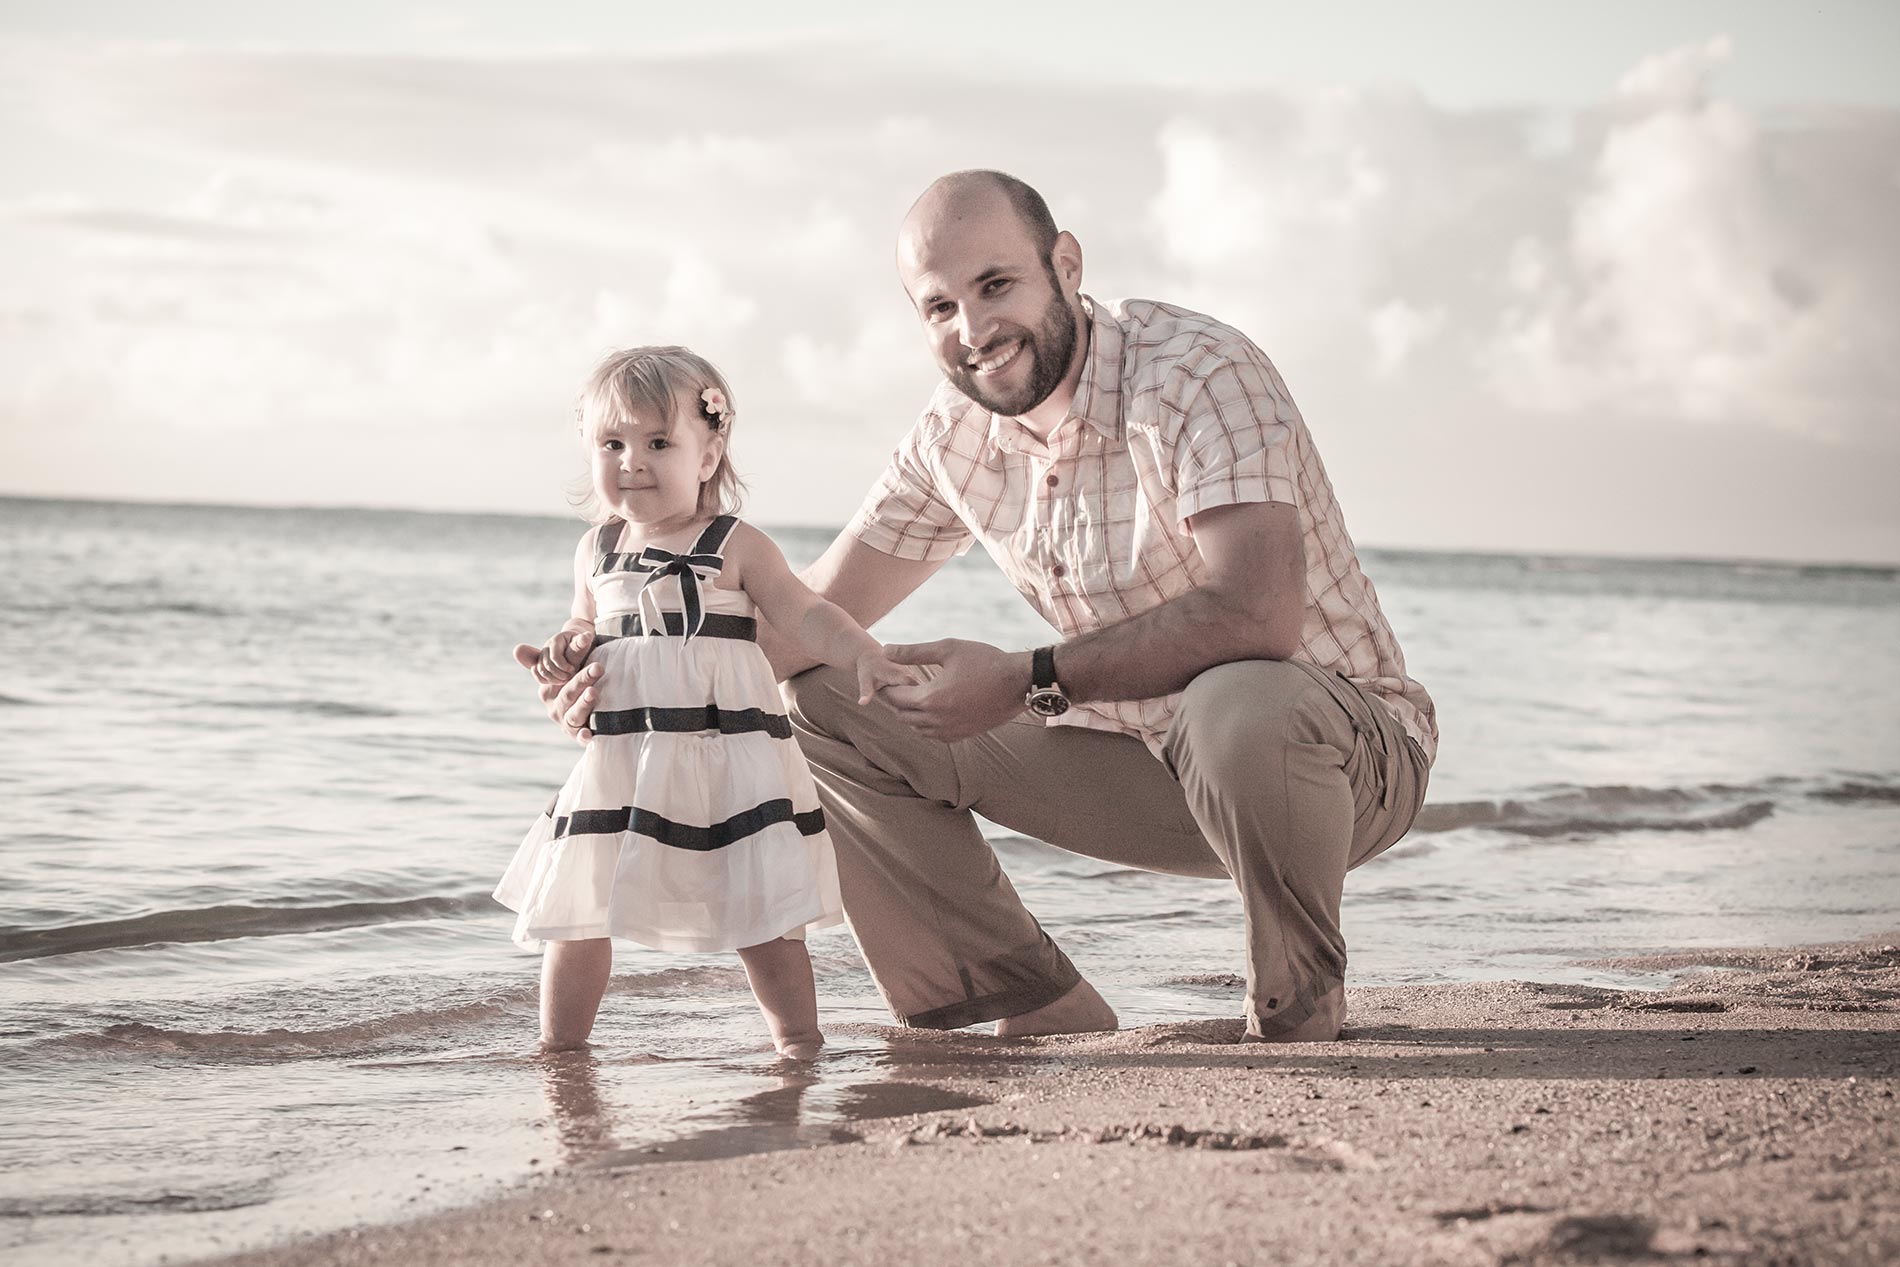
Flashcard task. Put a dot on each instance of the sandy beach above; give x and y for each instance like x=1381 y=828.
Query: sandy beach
x=1745 y=1114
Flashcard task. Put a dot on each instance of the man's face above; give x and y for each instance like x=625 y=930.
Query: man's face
x=999 y=324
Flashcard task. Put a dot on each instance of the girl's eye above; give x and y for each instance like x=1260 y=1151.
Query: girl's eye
x=612 y=446
x=659 y=442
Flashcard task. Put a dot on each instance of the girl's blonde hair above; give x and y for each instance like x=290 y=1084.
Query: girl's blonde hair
x=665 y=382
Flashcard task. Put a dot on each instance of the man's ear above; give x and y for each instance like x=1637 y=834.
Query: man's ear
x=1066 y=255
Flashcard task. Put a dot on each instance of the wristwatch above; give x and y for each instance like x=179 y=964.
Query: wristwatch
x=1046 y=697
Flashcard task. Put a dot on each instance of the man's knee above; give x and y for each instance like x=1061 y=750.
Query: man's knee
x=817 y=698
x=1245 y=710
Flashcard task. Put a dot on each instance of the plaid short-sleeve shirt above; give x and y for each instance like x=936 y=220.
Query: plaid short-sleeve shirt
x=1175 y=414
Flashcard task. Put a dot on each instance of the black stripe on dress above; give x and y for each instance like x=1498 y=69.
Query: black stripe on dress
x=614 y=561
x=609 y=822
x=684 y=721
x=718 y=625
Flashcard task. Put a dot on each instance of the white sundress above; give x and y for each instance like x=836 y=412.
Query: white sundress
x=691 y=821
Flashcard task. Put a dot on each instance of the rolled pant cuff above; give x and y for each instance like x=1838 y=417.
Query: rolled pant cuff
x=994 y=1007
x=1294 y=1014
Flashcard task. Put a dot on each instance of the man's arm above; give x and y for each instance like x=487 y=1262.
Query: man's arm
x=1250 y=607
x=866 y=582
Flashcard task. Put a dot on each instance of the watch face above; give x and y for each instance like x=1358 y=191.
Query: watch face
x=1048 y=703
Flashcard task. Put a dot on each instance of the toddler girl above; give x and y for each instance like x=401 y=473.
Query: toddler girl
x=691 y=821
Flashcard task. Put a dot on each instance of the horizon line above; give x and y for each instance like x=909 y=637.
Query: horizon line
x=1866 y=565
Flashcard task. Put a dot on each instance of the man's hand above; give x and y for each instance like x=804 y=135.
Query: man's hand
x=567 y=695
x=977 y=688
x=876 y=671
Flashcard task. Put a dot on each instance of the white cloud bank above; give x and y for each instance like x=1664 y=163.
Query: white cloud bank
x=310 y=278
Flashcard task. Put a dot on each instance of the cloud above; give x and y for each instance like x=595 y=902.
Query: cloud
x=216 y=244
x=1693 y=277
x=1398 y=330
x=1678 y=78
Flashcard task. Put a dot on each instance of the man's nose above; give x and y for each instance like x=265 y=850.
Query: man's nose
x=976 y=328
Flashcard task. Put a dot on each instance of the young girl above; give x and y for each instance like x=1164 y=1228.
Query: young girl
x=691 y=821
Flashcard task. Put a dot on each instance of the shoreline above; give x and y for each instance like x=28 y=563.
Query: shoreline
x=1745 y=1113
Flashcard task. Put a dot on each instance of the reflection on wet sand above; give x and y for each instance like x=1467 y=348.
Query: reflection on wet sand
x=573 y=1088
x=808 y=1105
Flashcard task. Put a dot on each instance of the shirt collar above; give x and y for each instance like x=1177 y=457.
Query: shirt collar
x=1098 y=395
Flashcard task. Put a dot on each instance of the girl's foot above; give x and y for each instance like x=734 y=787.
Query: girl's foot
x=780 y=973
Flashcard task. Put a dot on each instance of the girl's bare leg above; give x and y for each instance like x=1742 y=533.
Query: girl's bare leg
x=573 y=979
x=780 y=973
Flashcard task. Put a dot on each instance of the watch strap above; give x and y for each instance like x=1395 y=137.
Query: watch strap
x=1042 y=668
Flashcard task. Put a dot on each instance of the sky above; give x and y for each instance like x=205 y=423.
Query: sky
x=1617 y=279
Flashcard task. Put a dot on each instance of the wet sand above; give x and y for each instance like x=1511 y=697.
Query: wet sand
x=1746 y=1114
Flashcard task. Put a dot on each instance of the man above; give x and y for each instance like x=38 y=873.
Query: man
x=1227 y=699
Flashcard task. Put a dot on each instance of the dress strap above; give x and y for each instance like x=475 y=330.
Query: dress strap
x=606 y=539
x=714 y=538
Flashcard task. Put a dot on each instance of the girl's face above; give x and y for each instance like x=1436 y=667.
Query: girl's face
x=648 y=471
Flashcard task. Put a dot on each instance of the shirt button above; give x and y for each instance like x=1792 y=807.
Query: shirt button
x=1058 y=569
x=1052 y=481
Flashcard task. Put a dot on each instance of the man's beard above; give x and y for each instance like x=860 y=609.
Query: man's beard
x=1050 y=347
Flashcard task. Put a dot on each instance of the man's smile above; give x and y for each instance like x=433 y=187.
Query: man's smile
x=997 y=360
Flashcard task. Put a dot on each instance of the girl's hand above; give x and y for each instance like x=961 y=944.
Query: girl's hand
x=561 y=656
x=567 y=684
x=877 y=671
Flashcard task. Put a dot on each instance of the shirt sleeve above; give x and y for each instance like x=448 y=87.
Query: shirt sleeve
x=1236 y=441
x=904 y=515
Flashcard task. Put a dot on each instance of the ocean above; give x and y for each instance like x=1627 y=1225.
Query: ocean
x=261 y=768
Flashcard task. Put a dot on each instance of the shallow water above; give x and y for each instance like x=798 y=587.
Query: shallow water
x=251 y=983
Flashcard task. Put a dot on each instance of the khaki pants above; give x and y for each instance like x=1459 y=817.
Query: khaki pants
x=1278 y=775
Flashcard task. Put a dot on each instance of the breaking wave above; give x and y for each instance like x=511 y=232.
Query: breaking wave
x=1615 y=809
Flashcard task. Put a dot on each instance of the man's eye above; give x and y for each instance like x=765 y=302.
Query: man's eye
x=997 y=285
x=939 y=311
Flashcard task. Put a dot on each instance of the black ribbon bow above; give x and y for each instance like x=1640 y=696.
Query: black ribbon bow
x=691 y=569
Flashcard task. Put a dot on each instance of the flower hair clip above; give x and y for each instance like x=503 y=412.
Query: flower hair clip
x=712 y=402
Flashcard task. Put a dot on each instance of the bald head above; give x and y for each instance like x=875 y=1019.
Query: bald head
x=976 y=195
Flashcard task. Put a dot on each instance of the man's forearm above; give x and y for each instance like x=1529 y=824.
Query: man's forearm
x=1163 y=649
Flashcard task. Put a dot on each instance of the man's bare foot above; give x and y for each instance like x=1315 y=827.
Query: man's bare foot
x=1323 y=1026
x=801 y=1049
x=1081 y=1011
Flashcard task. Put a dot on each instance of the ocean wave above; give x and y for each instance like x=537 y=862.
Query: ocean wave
x=311 y=707
x=160 y=1201
x=14 y=701
x=1849 y=792
x=1615 y=809
x=223 y=923
x=137 y=1037
x=182 y=607
x=140 y=1038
